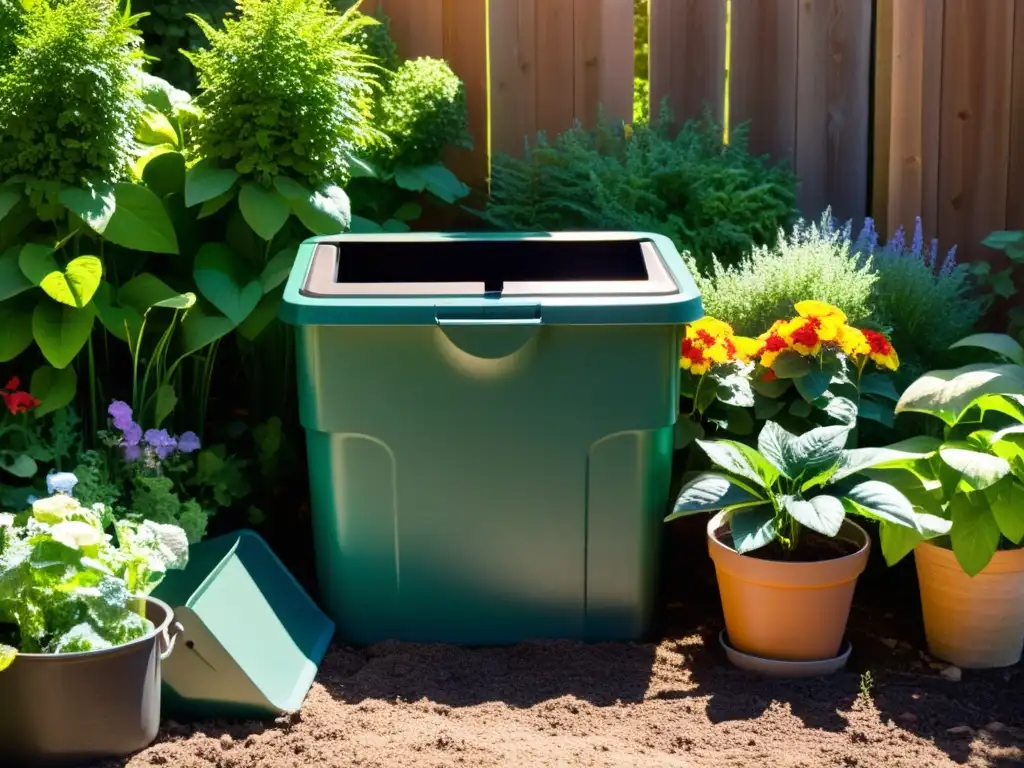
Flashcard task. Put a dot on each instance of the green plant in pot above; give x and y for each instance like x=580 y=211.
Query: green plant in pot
x=76 y=625
x=971 y=580
x=786 y=555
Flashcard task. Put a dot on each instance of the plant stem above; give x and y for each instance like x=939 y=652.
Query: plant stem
x=94 y=410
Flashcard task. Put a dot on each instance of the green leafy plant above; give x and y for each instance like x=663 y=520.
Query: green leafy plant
x=974 y=475
x=795 y=482
x=713 y=199
x=814 y=262
x=65 y=587
x=1003 y=283
x=168 y=30
x=926 y=303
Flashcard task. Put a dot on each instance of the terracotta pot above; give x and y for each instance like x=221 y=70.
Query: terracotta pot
x=972 y=622
x=787 y=611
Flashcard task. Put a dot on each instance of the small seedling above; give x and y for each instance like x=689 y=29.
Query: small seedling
x=867 y=683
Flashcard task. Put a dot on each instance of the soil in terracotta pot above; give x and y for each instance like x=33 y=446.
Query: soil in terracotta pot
x=811 y=548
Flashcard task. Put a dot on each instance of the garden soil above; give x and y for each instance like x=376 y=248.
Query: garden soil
x=671 y=702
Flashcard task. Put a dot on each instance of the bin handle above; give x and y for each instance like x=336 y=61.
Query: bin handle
x=476 y=321
x=168 y=638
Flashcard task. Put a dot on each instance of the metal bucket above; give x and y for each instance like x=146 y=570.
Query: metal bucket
x=61 y=709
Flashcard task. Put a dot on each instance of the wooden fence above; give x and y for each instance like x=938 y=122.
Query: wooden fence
x=890 y=108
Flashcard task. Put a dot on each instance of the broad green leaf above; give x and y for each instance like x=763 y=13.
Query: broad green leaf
x=859 y=459
x=710 y=492
x=119 y=321
x=979 y=470
x=54 y=389
x=200 y=329
x=875 y=411
x=879 y=384
x=772 y=442
x=824 y=514
x=687 y=430
x=144 y=291
x=363 y=226
x=140 y=221
x=155 y=128
x=20 y=465
x=181 y=302
x=7 y=656
x=61 y=331
x=224 y=281
x=16 y=322
x=165 y=175
x=773 y=389
x=738 y=421
x=801 y=408
x=325 y=213
x=290 y=189
x=12 y=279
x=210 y=207
x=841 y=409
x=264 y=210
x=883 y=502
x=813 y=385
x=975 y=533
x=752 y=528
x=395 y=226
x=166 y=399
x=143 y=162
x=159 y=94
x=1008 y=405
x=1008 y=511
x=727 y=455
x=734 y=389
x=898 y=541
x=261 y=317
x=277 y=269
x=814 y=450
x=948 y=394
x=93 y=203
x=1000 y=343
x=1002 y=239
x=436 y=179
x=76 y=284
x=792 y=365
x=766 y=407
x=9 y=197
x=205 y=181
x=408 y=212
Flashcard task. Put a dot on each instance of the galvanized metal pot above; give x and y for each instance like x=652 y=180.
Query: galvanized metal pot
x=62 y=709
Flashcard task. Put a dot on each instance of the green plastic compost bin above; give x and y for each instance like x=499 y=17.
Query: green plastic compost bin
x=489 y=421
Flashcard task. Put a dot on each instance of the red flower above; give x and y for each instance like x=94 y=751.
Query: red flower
x=775 y=343
x=877 y=341
x=691 y=352
x=13 y=384
x=16 y=401
x=807 y=334
x=769 y=375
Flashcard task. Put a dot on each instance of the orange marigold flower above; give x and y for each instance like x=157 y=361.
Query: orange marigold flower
x=772 y=344
x=692 y=358
x=805 y=336
x=882 y=352
x=769 y=375
x=830 y=319
x=707 y=342
x=746 y=348
x=852 y=341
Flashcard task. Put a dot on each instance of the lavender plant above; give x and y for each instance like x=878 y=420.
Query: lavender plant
x=923 y=299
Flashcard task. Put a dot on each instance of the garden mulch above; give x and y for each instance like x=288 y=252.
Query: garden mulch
x=674 y=702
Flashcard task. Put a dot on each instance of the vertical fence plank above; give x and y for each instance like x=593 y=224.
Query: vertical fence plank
x=882 y=123
x=1015 y=180
x=465 y=48
x=976 y=89
x=603 y=52
x=833 y=98
x=688 y=56
x=914 y=107
x=513 y=74
x=763 y=74
x=416 y=25
x=555 y=65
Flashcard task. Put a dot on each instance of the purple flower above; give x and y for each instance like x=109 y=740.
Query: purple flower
x=188 y=442
x=131 y=452
x=917 y=245
x=933 y=253
x=60 y=482
x=949 y=263
x=121 y=413
x=161 y=442
x=131 y=435
x=898 y=240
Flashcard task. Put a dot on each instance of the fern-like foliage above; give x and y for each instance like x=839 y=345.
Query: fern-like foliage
x=286 y=90
x=711 y=198
x=69 y=98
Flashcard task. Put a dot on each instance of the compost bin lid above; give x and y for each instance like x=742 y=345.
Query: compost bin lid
x=551 y=278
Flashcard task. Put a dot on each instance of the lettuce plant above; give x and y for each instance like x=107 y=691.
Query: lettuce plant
x=792 y=482
x=974 y=475
x=67 y=586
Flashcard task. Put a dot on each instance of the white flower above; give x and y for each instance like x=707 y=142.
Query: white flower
x=76 y=534
x=54 y=509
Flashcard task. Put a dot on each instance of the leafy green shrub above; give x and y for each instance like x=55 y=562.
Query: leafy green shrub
x=712 y=199
x=926 y=304
x=816 y=262
x=11 y=24
x=424 y=112
x=168 y=29
x=68 y=96
x=285 y=91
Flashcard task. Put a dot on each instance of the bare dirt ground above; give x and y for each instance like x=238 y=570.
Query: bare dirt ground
x=674 y=702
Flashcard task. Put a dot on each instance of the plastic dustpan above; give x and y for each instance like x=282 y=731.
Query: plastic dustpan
x=253 y=638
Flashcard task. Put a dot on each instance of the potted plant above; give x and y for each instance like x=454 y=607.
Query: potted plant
x=80 y=641
x=786 y=556
x=972 y=581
